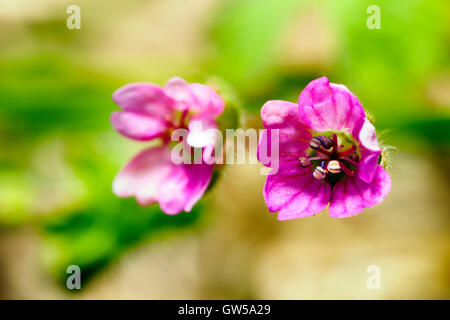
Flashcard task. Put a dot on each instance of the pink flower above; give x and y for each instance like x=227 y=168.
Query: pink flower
x=150 y=112
x=328 y=153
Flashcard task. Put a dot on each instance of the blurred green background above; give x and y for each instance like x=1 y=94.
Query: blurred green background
x=59 y=154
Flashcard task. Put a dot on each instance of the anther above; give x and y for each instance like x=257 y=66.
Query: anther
x=304 y=162
x=327 y=142
x=334 y=166
x=319 y=173
x=318 y=141
x=315 y=143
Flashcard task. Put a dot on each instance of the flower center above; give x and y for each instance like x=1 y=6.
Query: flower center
x=179 y=121
x=329 y=159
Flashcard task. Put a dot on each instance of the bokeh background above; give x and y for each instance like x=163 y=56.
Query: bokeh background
x=59 y=154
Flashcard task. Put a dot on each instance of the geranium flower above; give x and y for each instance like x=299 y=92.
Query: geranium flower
x=150 y=112
x=328 y=153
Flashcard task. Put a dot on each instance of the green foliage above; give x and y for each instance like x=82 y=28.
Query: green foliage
x=59 y=154
x=97 y=235
x=46 y=92
x=390 y=68
x=245 y=34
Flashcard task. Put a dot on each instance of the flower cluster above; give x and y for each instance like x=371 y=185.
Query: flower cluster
x=326 y=149
x=328 y=153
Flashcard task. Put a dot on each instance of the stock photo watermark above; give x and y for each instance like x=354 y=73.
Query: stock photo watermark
x=73 y=21
x=201 y=144
x=73 y=281
x=374 y=20
x=374 y=280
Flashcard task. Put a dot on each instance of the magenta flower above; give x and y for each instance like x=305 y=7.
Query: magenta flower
x=328 y=153
x=153 y=113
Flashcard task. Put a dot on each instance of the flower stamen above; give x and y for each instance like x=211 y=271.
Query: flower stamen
x=183 y=118
x=349 y=160
x=324 y=152
x=345 y=169
x=304 y=162
x=334 y=167
x=347 y=152
x=319 y=173
x=318 y=141
x=329 y=149
x=335 y=140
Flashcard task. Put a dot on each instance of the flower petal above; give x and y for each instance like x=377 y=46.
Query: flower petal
x=365 y=133
x=294 y=136
x=208 y=100
x=326 y=106
x=282 y=186
x=195 y=97
x=145 y=98
x=152 y=177
x=183 y=187
x=199 y=179
x=309 y=202
x=295 y=192
x=202 y=131
x=142 y=176
x=367 y=166
x=370 y=150
x=179 y=90
x=136 y=125
x=351 y=195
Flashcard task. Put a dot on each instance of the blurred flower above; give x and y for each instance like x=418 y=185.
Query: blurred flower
x=340 y=166
x=151 y=112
